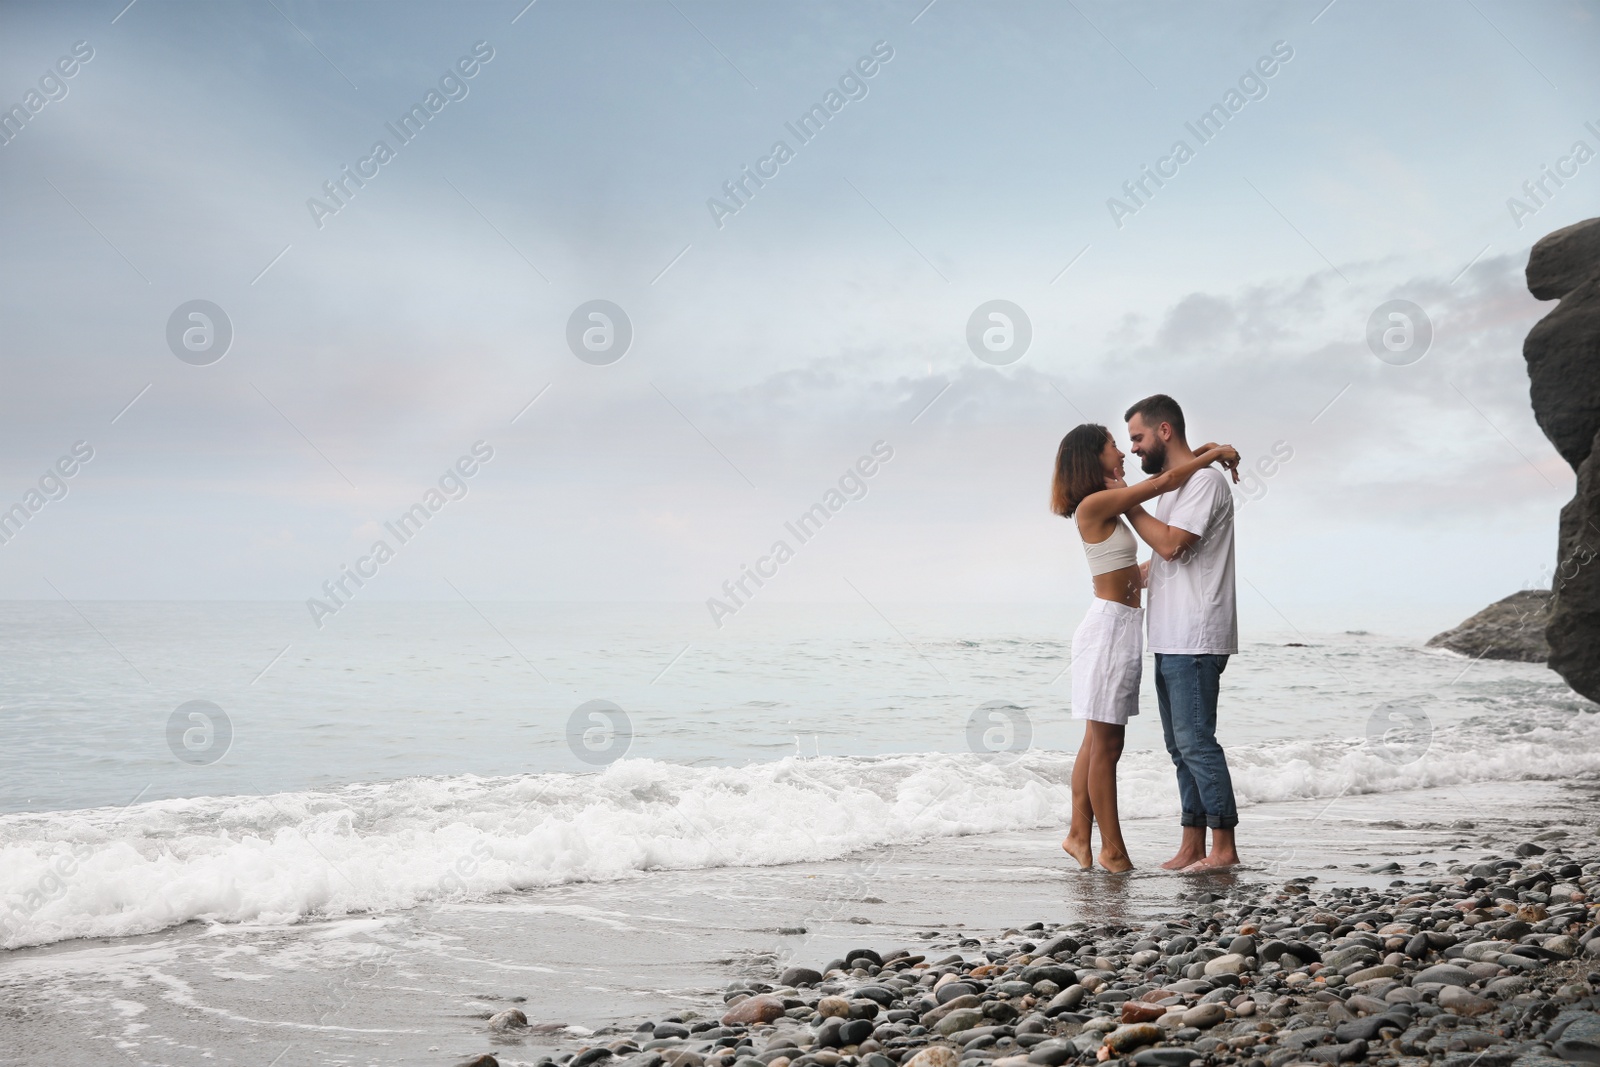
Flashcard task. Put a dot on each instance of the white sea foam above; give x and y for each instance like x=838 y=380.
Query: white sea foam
x=373 y=848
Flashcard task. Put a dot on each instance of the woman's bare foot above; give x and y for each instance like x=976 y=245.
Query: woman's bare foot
x=1079 y=850
x=1116 y=864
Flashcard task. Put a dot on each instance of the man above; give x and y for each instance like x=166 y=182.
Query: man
x=1193 y=626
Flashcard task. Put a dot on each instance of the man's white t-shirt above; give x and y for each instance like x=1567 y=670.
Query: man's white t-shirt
x=1193 y=610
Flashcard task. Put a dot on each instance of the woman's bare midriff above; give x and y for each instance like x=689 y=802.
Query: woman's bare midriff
x=1121 y=586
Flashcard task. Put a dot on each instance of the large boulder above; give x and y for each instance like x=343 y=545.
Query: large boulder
x=1564 y=260
x=1512 y=629
x=1574 y=630
x=1563 y=355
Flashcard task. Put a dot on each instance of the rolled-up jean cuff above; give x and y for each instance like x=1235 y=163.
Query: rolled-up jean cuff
x=1222 y=822
x=1192 y=818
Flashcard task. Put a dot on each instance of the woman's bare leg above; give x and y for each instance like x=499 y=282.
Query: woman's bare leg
x=1077 y=844
x=1108 y=740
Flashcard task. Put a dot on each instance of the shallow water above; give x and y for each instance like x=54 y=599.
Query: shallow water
x=412 y=755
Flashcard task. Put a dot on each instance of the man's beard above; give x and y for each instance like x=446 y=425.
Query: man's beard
x=1155 y=458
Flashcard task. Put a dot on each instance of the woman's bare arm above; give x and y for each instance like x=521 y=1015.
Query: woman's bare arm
x=1103 y=505
x=1167 y=541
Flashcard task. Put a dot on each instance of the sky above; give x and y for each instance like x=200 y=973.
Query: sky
x=778 y=334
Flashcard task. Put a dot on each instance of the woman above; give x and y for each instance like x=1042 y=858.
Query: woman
x=1108 y=649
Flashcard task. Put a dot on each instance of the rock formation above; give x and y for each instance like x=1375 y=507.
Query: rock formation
x=1512 y=629
x=1563 y=354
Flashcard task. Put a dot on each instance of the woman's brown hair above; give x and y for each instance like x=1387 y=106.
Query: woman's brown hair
x=1079 y=471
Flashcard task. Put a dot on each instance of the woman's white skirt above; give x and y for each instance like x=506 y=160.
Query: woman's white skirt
x=1107 y=661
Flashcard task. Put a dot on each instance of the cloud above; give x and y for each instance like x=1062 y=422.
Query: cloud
x=783 y=345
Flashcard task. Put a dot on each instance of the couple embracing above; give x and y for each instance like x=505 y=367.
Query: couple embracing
x=1192 y=621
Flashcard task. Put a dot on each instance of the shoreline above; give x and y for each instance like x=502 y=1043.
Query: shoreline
x=587 y=961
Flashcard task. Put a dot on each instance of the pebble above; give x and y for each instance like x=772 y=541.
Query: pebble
x=1053 y=1054
x=1205 y=1016
x=832 y=1007
x=1462 y=1002
x=1307 y=1037
x=1367 y=974
x=1561 y=946
x=510 y=1019
x=1509 y=986
x=1446 y=973
x=855 y=1031
x=945 y=992
x=1228 y=963
x=959 y=1020
x=829 y=1033
x=931 y=1019
x=761 y=1008
x=1132 y=1036
x=1138 y=1011
x=800 y=977
x=1169 y=1056
x=1366 y=1005
x=1368 y=1028
x=1050 y=972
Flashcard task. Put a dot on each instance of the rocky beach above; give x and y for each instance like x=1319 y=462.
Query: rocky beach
x=1487 y=961
x=661 y=892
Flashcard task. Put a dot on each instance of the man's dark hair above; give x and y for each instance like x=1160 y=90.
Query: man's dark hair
x=1155 y=410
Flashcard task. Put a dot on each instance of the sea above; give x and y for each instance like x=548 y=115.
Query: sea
x=229 y=835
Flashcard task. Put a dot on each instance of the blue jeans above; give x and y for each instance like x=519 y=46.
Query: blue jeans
x=1186 y=688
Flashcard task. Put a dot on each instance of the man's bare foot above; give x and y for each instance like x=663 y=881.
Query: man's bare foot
x=1116 y=864
x=1191 y=849
x=1079 y=850
x=1215 y=862
x=1186 y=858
